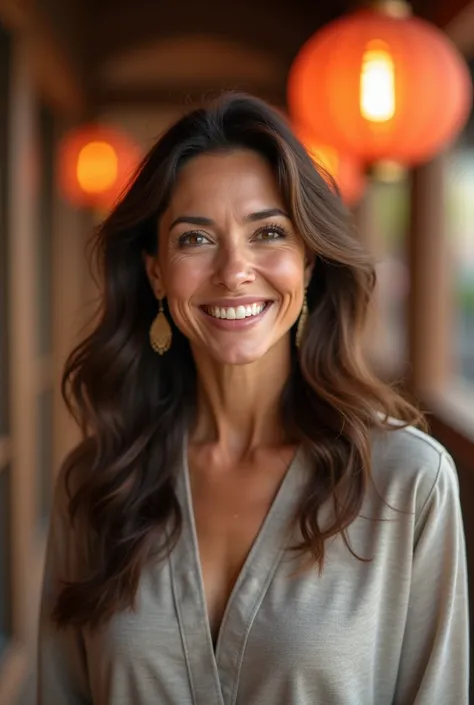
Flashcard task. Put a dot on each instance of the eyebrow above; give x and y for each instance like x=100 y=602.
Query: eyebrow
x=252 y=217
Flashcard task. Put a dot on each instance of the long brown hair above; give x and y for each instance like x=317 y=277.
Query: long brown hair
x=134 y=407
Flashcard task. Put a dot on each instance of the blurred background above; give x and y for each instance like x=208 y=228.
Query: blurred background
x=86 y=86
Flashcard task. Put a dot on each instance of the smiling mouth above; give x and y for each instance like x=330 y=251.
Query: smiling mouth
x=236 y=313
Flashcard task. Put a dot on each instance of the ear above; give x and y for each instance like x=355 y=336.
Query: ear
x=310 y=260
x=153 y=271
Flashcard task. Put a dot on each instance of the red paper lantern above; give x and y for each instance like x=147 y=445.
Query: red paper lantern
x=346 y=171
x=381 y=86
x=95 y=163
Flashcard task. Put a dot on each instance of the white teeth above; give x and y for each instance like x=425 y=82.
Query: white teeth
x=232 y=313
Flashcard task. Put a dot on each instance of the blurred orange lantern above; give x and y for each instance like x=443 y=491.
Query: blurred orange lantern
x=380 y=84
x=95 y=165
x=346 y=171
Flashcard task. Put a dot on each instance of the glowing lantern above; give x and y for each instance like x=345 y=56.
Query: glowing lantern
x=380 y=84
x=346 y=171
x=95 y=165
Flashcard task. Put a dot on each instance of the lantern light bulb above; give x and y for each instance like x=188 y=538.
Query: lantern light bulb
x=377 y=83
x=97 y=167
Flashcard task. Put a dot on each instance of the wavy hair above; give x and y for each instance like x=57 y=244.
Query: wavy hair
x=135 y=407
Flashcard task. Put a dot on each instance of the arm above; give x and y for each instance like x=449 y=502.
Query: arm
x=434 y=665
x=62 y=673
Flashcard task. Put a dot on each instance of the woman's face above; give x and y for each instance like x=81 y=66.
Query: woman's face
x=230 y=262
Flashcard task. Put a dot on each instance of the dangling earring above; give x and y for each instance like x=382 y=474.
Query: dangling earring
x=302 y=321
x=160 y=332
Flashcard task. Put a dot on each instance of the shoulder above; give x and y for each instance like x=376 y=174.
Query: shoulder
x=406 y=444
x=409 y=462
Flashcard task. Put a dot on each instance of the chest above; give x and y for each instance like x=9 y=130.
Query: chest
x=230 y=509
x=287 y=636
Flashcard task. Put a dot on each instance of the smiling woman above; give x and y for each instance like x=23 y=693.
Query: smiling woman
x=220 y=535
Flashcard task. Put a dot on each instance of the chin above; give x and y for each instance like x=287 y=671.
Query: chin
x=237 y=355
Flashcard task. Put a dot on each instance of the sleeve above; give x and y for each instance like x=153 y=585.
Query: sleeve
x=434 y=665
x=62 y=672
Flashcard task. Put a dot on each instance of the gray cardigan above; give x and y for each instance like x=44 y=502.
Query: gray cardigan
x=392 y=631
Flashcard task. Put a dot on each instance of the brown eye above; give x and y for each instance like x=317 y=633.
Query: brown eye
x=270 y=233
x=193 y=239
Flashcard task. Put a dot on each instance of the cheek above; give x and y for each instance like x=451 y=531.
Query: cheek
x=183 y=277
x=285 y=271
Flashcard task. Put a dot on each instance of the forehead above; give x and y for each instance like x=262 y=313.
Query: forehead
x=241 y=179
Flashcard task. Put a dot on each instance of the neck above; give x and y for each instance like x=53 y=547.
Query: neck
x=239 y=406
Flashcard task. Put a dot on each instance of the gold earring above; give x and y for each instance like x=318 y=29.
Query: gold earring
x=160 y=332
x=302 y=321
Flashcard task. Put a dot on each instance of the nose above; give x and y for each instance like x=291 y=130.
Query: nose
x=234 y=267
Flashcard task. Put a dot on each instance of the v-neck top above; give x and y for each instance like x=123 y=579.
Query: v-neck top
x=388 y=630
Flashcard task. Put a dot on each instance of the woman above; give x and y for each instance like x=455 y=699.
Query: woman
x=249 y=524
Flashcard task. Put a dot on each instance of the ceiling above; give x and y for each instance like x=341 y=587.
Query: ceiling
x=151 y=52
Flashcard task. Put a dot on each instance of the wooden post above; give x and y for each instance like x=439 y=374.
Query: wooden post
x=429 y=303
